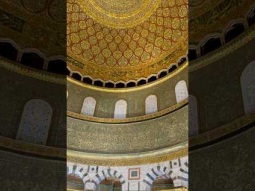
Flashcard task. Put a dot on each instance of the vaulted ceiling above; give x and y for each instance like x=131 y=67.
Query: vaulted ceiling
x=126 y=39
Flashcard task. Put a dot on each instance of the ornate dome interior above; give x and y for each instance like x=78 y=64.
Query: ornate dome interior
x=134 y=138
x=123 y=41
x=124 y=44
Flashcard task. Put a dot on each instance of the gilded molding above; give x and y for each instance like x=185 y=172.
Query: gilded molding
x=127 y=73
x=162 y=155
x=131 y=119
x=149 y=85
x=94 y=158
x=222 y=52
x=216 y=133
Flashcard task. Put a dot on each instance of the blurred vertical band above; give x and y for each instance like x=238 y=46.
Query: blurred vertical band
x=33 y=95
x=222 y=96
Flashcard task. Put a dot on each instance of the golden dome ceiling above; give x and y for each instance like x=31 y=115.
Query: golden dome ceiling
x=121 y=13
x=122 y=40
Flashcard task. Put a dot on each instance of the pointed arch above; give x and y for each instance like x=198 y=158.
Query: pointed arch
x=109 y=174
x=74 y=182
x=35 y=122
x=155 y=173
x=177 y=172
x=78 y=171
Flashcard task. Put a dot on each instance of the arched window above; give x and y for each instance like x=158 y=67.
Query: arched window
x=151 y=105
x=193 y=116
x=35 y=122
x=181 y=91
x=131 y=84
x=192 y=54
x=87 y=80
x=77 y=76
x=57 y=66
x=98 y=83
x=248 y=88
x=32 y=59
x=8 y=50
x=211 y=45
x=88 y=107
x=109 y=85
x=120 y=109
x=235 y=30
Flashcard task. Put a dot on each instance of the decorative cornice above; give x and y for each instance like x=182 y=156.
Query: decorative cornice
x=97 y=159
x=132 y=89
x=127 y=159
x=134 y=73
x=131 y=119
x=162 y=155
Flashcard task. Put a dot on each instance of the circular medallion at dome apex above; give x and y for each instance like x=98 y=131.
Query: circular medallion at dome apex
x=119 y=13
x=107 y=53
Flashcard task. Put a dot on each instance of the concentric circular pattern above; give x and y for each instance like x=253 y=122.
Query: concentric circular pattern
x=121 y=13
x=124 y=54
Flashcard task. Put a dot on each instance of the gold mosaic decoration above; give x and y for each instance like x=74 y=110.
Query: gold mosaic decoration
x=108 y=52
x=182 y=69
x=121 y=13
